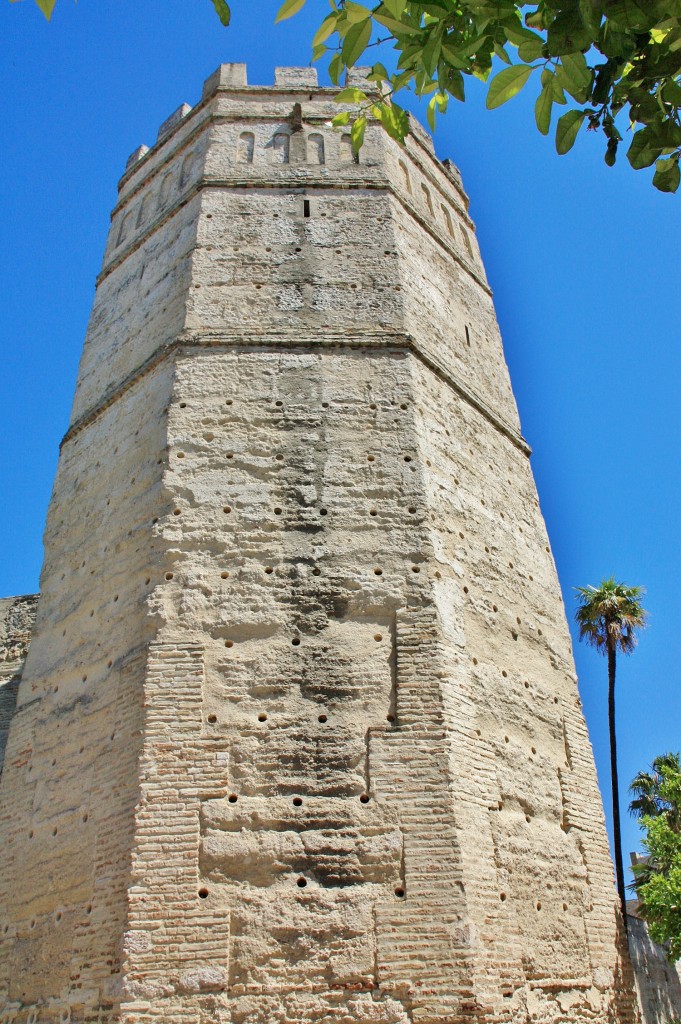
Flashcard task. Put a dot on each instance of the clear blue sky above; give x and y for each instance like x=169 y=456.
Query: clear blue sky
x=583 y=261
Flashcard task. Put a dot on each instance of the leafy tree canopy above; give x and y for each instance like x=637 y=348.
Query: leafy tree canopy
x=658 y=876
x=596 y=58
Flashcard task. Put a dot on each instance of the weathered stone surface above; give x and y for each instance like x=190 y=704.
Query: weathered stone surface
x=299 y=738
x=17 y=616
x=658 y=983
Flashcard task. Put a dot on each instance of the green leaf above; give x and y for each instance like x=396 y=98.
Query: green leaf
x=455 y=85
x=350 y=95
x=356 y=12
x=396 y=7
x=341 y=119
x=394 y=119
x=629 y=14
x=395 y=27
x=400 y=119
x=517 y=34
x=399 y=81
x=327 y=28
x=567 y=34
x=319 y=51
x=558 y=94
x=342 y=25
x=431 y=53
x=288 y=9
x=605 y=76
x=611 y=152
x=221 y=8
x=355 y=42
x=615 y=44
x=453 y=56
x=435 y=11
x=549 y=80
x=575 y=76
x=357 y=134
x=567 y=129
x=667 y=175
x=543 y=108
x=507 y=84
x=671 y=93
x=380 y=73
x=531 y=49
x=47 y=6
x=425 y=84
x=438 y=102
x=645 y=148
x=501 y=53
x=478 y=47
x=535 y=19
x=335 y=68
x=591 y=16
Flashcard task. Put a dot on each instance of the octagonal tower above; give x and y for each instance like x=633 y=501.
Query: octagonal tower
x=298 y=737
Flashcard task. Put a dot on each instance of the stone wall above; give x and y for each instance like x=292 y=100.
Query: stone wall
x=17 y=616
x=658 y=983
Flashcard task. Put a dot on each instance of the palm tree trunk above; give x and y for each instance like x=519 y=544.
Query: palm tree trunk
x=616 y=828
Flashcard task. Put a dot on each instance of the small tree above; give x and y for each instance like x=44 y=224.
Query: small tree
x=650 y=791
x=608 y=618
x=657 y=879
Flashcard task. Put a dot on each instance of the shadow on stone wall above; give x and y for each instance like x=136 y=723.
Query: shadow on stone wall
x=658 y=982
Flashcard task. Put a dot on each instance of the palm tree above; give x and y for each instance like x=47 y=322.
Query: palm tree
x=608 y=618
x=646 y=791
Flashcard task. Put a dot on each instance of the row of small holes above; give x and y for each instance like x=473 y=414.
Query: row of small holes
x=302 y=883
x=502 y=897
x=279 y=511
x=296 y=639
x=298 y=800
x=279 y=457
x=278 y=404
x=262 y=717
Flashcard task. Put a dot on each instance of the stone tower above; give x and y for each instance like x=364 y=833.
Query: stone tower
x=298 y=736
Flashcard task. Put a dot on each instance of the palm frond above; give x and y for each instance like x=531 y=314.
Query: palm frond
x=609 y=615
x=651 y=794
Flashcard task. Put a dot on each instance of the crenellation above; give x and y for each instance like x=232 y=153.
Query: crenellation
x=171 y=123
x=295 y=78
x=136 y=156
x=227 y=76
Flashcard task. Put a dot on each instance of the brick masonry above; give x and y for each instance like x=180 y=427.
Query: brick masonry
x=298 y=737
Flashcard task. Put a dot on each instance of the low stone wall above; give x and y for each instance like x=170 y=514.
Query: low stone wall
x=658 y=982
x=17 y=615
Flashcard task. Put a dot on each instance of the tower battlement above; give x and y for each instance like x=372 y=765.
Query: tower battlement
x=295 y=139
x=298 y=738
x=297 y=83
